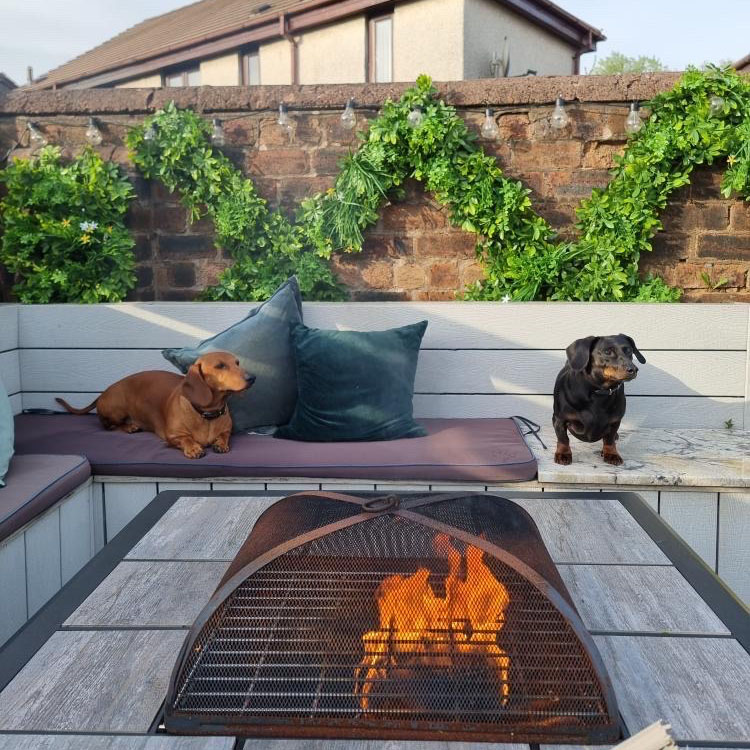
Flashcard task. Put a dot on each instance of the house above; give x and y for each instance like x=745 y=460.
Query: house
x=231 y=42
x=6 y=84
x=743 y=65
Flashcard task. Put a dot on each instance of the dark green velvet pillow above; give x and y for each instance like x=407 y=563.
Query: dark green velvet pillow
x=354 y=385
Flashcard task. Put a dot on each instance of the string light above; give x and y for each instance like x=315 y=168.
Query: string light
x=283 y=119
x=217 y=133
x=150 y=133
x=559 y=118
x=415 y=117
x=349 y=117
x=489 y=128
x=633 y=122
x=93 y=134
x=36 y=137
x=716 y=105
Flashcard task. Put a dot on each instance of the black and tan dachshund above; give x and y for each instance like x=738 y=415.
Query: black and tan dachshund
x=589 y=395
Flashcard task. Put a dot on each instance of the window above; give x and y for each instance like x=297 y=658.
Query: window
x=380 y=49
x=183 y=77
x=251 y=68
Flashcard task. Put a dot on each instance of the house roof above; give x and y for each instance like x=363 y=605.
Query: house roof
x=6 y=83
x=742 y=64
x=209 y=27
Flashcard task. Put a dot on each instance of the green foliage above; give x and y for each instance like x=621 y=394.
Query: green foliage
x=266 y=247
x=63 y=227
x=616 y=63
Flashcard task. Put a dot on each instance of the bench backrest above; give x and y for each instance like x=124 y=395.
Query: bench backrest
x=477 y=360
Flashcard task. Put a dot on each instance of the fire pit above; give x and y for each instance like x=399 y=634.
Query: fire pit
x=433 y=617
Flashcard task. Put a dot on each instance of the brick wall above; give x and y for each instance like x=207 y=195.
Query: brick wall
x=412 y=252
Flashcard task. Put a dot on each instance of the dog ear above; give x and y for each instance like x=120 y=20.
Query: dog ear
x=579 y=352
x=635 y=349
x=196 y=389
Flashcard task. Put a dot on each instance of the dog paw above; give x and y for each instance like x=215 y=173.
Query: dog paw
x=220 y=448
x=612 y=458
x=564 y=459
x=196 y=452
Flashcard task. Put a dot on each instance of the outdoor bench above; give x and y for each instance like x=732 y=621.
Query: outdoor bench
x=684 y=438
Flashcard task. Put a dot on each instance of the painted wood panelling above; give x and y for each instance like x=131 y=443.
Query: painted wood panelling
x=114 y=742
x=8 y=327
x=12 y=586
x=76 y=531
x=43 y=574
x=693 y=515
x=97 y=515
x=123 y=502
x=734 y=542
x=10 y=372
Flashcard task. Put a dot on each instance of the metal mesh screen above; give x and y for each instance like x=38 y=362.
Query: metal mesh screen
x=391 y=627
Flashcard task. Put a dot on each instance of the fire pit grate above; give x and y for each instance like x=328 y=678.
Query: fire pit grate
x=407 y=622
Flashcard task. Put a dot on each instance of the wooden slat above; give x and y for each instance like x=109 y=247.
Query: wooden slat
x=698 y=685
x=10 y=372
x=12 y=586
x=638 y=598
x=194 y=485
x=693 y=515
x=150 y=594
x=92 y=681
x=202 y=528
x=16 y=403
x=538 y=325
x=43 y=575
x=8 y=327
x=591 y=531
x=671 y=373
x=111 y=742
x=97 y=515
x=123 y=502
x=255 y=744
x=734 y=542
x=76 y=532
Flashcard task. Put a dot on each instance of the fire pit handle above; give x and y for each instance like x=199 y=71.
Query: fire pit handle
x=381 y=504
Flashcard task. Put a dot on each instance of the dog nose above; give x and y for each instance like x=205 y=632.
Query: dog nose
x=250 y=379
x=631 y=369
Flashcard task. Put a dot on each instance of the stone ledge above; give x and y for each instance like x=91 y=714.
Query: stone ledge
x=472 y=93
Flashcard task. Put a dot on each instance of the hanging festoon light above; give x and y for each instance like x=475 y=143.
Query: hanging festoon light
x=349 y=116
x=716 y=105
x=489 y=128
x=415 y=117
x=283 y=118
x=93 y=134
x=559 y=118
x=36 y=137
x=149 y=134
x=217 y=132
x=633 y=122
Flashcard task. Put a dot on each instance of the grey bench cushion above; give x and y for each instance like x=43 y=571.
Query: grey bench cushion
x=35 y=483
x=476 y=450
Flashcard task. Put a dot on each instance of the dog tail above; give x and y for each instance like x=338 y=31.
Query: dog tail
x=72 y=410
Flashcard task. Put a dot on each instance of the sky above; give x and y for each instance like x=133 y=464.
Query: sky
x=47 y=33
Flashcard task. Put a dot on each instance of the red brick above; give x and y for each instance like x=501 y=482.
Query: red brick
x=278 y=162
x=404 y=217
x=559 y=154
x=705 y=182
x=436 y=295
x=705 y=276
x=728 y=246
x=186 y=246
x=292 y=192
x=444 y=275
x=306 y=130
x=270 y=133
x=170 y=219
x=143 y=249
x=327 y=161
x=513 y=127
x=335 y=134
x=471 y=272
x=409 y=276
x=244 y=131
x=181 y=274
x=144 y=276
x=160 y=193
x=378 y=275
x=597 y=155
x=455 y=244
x=139 y=216
x=379 y=246
x=740 y=216
x=670 y=247
x=717 y=296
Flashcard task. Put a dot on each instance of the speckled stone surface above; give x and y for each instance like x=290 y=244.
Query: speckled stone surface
x=663 y=457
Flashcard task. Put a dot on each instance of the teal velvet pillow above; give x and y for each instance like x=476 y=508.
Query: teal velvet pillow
x=6 y=433
x=261 y=343
x=354 y=385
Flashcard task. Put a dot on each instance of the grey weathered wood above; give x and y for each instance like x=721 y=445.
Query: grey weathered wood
x=43 y=574
x=202 y=528
x=10 y=372
x=150 y=594
x=229 y=484
x=591 y=531
x=111 y=742
x=651 y=497
x=734 y=542
x=693 y=515
x=123 y=502
x=97 y=515
x=638 y=598
x=76 y=532
x=698 y=685
x=192 y=486
x=92 y=681
x=251 y=744
x=12 y=586
x=8 y=326
x=479 y=325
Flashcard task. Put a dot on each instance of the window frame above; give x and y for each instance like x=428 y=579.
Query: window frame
x=245 y=54
x=183 y=72
x=371 y=48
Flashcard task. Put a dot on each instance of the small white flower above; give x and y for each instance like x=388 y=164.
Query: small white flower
x=93 y=224
x=88 y=226
x=506 y=298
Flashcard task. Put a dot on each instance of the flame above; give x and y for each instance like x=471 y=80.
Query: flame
x=419 y=628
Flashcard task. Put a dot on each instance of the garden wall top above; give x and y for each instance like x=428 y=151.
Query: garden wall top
x=481 y=92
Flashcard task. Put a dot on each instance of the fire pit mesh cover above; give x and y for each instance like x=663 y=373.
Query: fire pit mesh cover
x=391 y=627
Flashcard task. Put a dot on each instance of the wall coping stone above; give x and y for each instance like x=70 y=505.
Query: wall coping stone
x=483 y=92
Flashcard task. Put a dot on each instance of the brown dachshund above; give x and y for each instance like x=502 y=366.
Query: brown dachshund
x=187 y=412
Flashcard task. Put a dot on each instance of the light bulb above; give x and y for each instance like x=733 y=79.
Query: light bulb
x=716 y=105
x=559 y=118
x=217 y=133
x=93 y=134
x=349 y=117
x=415 y=117
x=633 y=122
x=489 y=126
x=149 y=134
x=283 y=119
x=36 y=137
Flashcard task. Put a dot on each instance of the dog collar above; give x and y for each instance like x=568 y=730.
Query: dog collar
x=209 y=415
x=607 y=391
